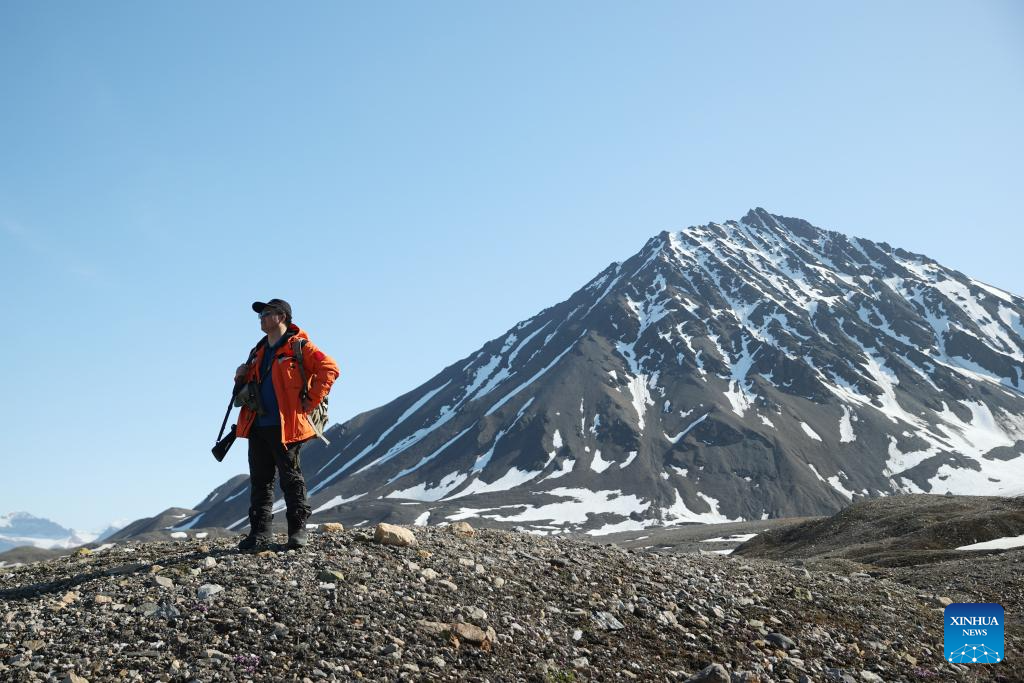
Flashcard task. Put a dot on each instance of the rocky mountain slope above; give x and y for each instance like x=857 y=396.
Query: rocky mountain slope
x=752 y=369
x=899 y=531
x=491 y=606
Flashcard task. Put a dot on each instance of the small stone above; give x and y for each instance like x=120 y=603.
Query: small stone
x=332 y=527
x=607 y=621
x=713 y=673
x=70 y=597
x=580 y=663
x=462 y=529
x=666 y=618
x=438 y=662
x=330 y=576
x=209 y=563
x=870 y=677
x=474 y=634
x=72 y=677
x=802 y=594
x=449 y=585
x=476 y=614
x=498 y=582
x=163 y=581
x=428 y=574
x=941 y=602
x=148 y=609
x=390 y=534
x=83 y=552
x=168 y=612
x=780 y=641
x=103 y=599
x=266 y=553
x=208 y=590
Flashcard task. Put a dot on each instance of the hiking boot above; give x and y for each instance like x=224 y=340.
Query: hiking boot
x=254 y=542
x=298 y=539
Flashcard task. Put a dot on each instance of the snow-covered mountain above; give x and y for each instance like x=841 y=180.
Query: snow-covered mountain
x=21 y=529
x=756 y=368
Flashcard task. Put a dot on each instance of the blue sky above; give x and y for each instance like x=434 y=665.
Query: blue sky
x=415 y=178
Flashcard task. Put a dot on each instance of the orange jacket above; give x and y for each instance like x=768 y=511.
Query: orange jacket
x=321 y=371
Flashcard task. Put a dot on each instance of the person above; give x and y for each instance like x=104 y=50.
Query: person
x=276 y=424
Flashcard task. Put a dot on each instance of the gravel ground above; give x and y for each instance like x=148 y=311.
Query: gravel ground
x=484 y=606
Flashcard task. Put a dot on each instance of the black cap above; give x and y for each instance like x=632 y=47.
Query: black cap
x=277 y=304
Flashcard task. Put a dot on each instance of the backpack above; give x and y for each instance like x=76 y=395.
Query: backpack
x=317 y=418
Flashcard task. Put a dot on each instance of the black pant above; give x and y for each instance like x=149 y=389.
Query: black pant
x=267 y=454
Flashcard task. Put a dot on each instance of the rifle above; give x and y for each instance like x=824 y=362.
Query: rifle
x=220 y=449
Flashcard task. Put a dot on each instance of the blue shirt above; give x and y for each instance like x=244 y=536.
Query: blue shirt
x=268 y=397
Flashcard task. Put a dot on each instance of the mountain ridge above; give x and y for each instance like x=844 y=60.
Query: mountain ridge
x=738 y=370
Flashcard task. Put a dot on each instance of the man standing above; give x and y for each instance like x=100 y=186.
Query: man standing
x=275 y=422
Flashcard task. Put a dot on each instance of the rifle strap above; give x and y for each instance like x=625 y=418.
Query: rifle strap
x=297 y=345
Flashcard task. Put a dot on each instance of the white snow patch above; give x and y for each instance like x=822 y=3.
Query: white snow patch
x=514 y=477
x=425 y=492
x=179 y=534
x=422 y=519
x=337 y=500
x=678 y=512
x=240 y=492
x=625 y=463
x=846 y=434
x=190 y=523
x=598 y=464
x=578 y=505
x=567 y=466
x=996 y=543
x=810 y=432
x=675 y=439
x=735 y=538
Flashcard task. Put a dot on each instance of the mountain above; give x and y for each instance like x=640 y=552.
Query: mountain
x=746 y=370
x=22 y=529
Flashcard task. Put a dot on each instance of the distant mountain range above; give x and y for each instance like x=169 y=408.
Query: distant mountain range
x=744 y=370
x=22 y=529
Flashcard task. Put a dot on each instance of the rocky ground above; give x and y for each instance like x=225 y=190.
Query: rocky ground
x=490 y=606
